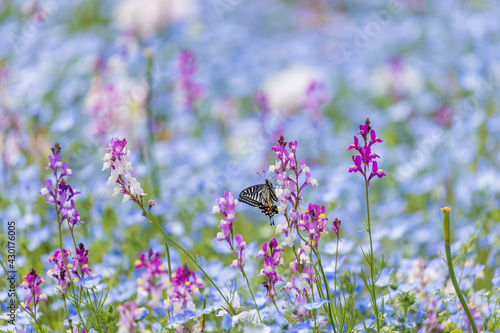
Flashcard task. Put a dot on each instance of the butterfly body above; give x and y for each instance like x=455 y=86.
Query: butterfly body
x=262 y=196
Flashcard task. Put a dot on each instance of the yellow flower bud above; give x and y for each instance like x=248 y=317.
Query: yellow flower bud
x=446 y=223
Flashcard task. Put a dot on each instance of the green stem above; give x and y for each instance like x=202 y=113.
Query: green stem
x=248 y=283
x=251 y=292
x=449 y=260
x=94 y=309
x=335 y=281
x=149 y=110
x=327 y=287
x=371 y=262
x=169 y=265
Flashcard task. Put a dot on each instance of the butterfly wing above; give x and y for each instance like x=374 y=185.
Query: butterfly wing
x=252 y=195
x=272 y=193
x=262 y=196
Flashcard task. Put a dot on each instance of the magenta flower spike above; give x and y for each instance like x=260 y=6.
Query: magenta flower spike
x=187 y=69
x=32 y=283
x=272 y=258
x=365 y=161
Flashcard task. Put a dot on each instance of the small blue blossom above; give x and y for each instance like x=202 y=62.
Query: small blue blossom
x=90 y=282
x=227 y=322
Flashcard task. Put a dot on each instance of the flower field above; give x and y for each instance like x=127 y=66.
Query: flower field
x=250 y=166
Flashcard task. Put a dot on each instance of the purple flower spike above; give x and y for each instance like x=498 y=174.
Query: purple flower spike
x=61 y=193
x=271 y=260
x=366 y=157
x=226 y=206
x=187 y=69
x=32 y=283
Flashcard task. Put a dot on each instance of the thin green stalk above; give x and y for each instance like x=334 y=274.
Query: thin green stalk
x=330 y=304
x=94 y=309
x=311 y=284
x=149 y=110
x=371 y=262
x=248 y=284
x=335 y=275
x=70 y=282
x=457 y=288
x=67 y=313
x=169 y=265
x=327 y=287
x=78 y=310
x=253 y=297
x=446 y=230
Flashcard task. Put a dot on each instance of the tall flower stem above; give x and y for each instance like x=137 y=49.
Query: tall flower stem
x=327 y=287
x=363 y=162
x=446 y=230
x=371 y=261
x=248 y=284
x=149 y=82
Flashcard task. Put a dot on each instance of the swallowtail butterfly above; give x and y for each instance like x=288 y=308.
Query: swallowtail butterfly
x=262 y=196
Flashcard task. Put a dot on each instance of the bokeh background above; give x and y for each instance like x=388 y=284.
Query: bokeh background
x=81 y=72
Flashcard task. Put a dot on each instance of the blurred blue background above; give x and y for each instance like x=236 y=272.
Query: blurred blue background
x=80 y=72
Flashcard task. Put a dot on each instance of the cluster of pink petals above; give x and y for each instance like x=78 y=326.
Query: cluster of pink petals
x=121 y=171
x=61 y=193
x=182 y=285
x=287 y=172
x=81 y=262
x=261 y=101
x=127 y=313
x=59 y=271
x=78 y=268
x=272 y=258
x=187 y=69
x=226 y=206
x=32 y=283
x=313 y=222
x=151 y=283
x=317 y=95
x=366 y=157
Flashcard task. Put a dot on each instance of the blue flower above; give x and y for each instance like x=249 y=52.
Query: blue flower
x=419 y=317
x=279 y=319
x=90 y=282
x=496 y=281
x=227 y=322
x=181 y=318
x=156 y=327
x=304 y=327
x=383 y=279
x=141 y=313
x=315 y=305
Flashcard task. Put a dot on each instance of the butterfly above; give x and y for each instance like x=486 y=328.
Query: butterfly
x=262 y=196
